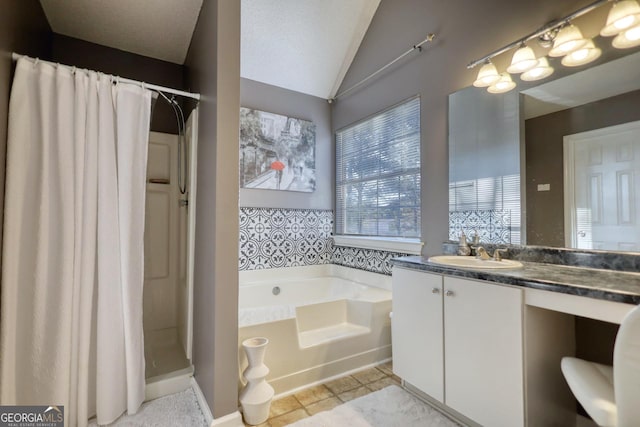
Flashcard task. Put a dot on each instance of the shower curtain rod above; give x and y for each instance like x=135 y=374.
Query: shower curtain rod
x=163 y=89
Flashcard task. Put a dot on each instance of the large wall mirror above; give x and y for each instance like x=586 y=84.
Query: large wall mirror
x=553 y=164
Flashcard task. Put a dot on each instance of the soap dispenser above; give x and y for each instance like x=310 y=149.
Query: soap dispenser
x=463 y=246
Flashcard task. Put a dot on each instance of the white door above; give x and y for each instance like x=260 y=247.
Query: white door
x=161 y=234
x=417 y=330
x=483 y=352
x=602 y=188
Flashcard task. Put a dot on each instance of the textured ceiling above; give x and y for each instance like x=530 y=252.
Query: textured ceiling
x=160 y=29
x=303 y=45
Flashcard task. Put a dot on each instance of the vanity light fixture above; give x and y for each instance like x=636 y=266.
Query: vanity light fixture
x=523 y=60
x=565 y=40
x=505 y=84
x=540 y=71
x=586 y=54
x=627 y=39
x=487 y=75
x=569 y=39
x=623 y=15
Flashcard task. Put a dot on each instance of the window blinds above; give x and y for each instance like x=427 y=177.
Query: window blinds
x=378 y=174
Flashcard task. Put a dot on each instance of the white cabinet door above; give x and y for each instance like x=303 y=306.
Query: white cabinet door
x=417 y=330
x=483 y=348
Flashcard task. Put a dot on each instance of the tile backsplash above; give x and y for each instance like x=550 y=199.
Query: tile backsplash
x=271 y=238
x=277 y=237
x=492 y=225
x=364 y=259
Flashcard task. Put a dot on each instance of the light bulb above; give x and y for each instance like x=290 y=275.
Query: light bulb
x=487 y=75
x=539 y=72
x=627 y=39
x=505 y=84
x=586 y=54
x=633 y=34
x=625 y=22
x=623 y=15
x=523 y=60
x=569 y=38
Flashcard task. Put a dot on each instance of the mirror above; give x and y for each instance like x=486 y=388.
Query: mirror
x=516 y=160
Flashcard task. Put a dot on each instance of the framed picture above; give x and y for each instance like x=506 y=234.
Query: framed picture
x=276 y=152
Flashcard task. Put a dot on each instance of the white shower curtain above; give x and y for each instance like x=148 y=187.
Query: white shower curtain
x=72 y=259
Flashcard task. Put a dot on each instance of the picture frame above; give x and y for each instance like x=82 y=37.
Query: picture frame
x=277 y=152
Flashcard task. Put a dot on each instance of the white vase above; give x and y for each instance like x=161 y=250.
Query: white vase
x=256 y=397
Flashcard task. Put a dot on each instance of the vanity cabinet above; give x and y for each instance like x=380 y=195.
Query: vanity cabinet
x=460 y=342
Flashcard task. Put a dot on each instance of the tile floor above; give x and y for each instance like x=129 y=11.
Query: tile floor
x=327 y=396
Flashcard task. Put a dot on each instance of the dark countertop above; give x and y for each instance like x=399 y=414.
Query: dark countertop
x=617 y=286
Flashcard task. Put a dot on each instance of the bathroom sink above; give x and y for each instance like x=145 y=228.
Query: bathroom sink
x=471 y=262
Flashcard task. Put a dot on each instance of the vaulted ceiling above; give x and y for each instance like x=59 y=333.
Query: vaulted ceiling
x=303 y=45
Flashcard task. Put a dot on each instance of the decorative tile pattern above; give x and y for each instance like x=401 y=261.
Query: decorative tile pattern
x=274 y=237
x=364 y=259
x=492 y=225
x=271 y=238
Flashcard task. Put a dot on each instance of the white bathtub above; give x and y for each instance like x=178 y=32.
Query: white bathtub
x=321 y=321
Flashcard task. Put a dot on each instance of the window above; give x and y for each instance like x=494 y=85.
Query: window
x=378 y=174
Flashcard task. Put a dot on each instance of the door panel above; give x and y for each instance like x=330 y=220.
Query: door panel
x=483 y=352
x=603 y=188
x=417 y=330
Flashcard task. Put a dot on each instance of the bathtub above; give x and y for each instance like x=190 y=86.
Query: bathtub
x=321 y=321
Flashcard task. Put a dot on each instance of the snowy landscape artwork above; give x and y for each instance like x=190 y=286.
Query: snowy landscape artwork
x=276 y=152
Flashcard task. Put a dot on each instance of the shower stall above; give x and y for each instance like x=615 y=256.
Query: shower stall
x=168 y=241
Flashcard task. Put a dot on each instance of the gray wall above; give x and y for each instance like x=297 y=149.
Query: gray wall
x=71 y=51
x=23 y=29
x=465 y=30
x=544 y=159
x=213 y=70
x=273 y=99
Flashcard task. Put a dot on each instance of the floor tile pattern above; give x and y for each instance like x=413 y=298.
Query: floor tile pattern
x=327 y=396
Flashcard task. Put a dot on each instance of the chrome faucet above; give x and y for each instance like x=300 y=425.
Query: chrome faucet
x=497 y=254
x=481 y=253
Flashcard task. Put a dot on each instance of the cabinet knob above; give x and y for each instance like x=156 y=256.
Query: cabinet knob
x=450 y=293
x=435 y=290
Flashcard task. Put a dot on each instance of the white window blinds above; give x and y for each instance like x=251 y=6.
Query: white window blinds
x=378 y=174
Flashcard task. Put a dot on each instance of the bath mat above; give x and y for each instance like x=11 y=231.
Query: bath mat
x=389 y=407
x=179 y=409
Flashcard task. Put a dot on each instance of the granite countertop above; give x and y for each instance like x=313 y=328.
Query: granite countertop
x=617 y=286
